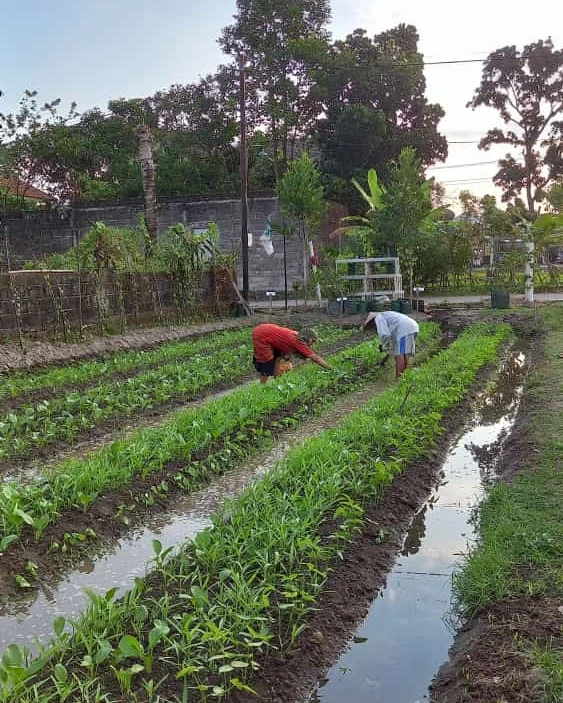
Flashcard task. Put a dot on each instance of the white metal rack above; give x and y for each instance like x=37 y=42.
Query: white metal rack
x=370 y=288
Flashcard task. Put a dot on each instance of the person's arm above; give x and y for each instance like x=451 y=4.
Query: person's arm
x=385 y=343
x=320 y=361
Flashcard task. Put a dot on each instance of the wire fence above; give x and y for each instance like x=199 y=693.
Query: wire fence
x=64 y=304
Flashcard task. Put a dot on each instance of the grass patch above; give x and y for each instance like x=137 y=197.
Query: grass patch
x=550 y=662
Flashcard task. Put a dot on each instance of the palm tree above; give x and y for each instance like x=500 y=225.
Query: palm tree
x=148 y=170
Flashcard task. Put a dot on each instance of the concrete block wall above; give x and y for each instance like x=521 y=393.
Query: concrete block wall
x=25 y=236
x=34 y=235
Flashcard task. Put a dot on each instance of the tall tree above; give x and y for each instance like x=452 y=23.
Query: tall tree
x=555 y=197
x=273 y=37
x=372 y=93
x=146 y=159
x=526 y=88
x=20 y=135
x=301 y=198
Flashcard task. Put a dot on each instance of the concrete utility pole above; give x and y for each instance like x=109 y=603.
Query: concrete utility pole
x=529 y=264
x=243 y=180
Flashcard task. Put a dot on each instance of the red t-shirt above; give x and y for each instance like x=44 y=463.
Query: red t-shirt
x=267 y=337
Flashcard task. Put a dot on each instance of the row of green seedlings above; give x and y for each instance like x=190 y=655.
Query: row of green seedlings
x=204 y=441
x=63 y=419
x=197 y=627
x=87 y=372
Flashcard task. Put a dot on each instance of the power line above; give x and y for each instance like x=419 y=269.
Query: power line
x=473 y=163
x=468 y=180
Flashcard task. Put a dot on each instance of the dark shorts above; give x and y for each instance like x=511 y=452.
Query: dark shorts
x=267 y=368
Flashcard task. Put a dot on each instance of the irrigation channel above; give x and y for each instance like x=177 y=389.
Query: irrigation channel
x=25 y=622
x=410 y=626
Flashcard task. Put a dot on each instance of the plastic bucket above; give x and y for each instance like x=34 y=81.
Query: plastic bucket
x=500 y=299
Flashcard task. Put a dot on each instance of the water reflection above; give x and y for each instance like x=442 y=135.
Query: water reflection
x=503 y=396
x=31 y=616
x=410 y=620
x=415 y=534
x=498 y=410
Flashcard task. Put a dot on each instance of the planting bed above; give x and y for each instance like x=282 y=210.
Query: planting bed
x=267 y=598
x=176 y=373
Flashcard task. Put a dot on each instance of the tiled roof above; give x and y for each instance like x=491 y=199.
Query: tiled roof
x=23 y=190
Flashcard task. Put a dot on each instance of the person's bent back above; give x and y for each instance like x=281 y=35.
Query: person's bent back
x=273 y=346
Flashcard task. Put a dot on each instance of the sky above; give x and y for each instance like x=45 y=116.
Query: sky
x=92 y=51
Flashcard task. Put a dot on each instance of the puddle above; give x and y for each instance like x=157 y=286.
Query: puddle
x=24 y=622
x=408 y=630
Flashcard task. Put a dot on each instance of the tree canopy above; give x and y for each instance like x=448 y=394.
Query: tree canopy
x=372 y=92
x=352 y=104
x=526 y=88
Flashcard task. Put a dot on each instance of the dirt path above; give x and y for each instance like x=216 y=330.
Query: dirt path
x=38 y=353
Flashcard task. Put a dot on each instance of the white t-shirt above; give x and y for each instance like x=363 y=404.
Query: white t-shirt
x=394 y=325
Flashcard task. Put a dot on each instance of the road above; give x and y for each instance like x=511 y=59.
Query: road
x=516 y=299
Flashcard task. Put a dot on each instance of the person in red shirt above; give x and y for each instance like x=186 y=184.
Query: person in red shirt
x=274 y=345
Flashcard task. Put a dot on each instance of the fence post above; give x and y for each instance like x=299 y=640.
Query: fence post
x=13 y=292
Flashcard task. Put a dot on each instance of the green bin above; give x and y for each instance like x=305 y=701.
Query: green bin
x=396 y=305
x=333 y=307
x=352 y=307
x=405 y=307
x=374 y=306
x=240 y=310
x=500 y=299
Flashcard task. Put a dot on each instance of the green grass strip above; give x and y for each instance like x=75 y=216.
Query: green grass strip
x=78 y=483
x=46 y=422
x=519 y=550
x=249 y=582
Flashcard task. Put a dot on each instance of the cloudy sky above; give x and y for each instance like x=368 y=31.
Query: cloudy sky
x=94 y=50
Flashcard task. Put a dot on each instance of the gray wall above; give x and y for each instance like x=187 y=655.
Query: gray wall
x=33 y=235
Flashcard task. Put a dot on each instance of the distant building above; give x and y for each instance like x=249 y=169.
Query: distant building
x=25 y=191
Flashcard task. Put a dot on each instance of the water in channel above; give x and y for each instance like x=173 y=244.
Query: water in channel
x=407 y=632
x=23 y=622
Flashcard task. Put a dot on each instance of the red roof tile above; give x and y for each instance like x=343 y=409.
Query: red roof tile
x=23 y=190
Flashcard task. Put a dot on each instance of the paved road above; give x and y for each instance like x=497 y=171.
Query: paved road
x=515 y=299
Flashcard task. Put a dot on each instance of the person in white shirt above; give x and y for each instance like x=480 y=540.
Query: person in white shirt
x=397 y=334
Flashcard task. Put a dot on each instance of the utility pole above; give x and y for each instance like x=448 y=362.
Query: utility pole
x=243 y=179
x=529 y=264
